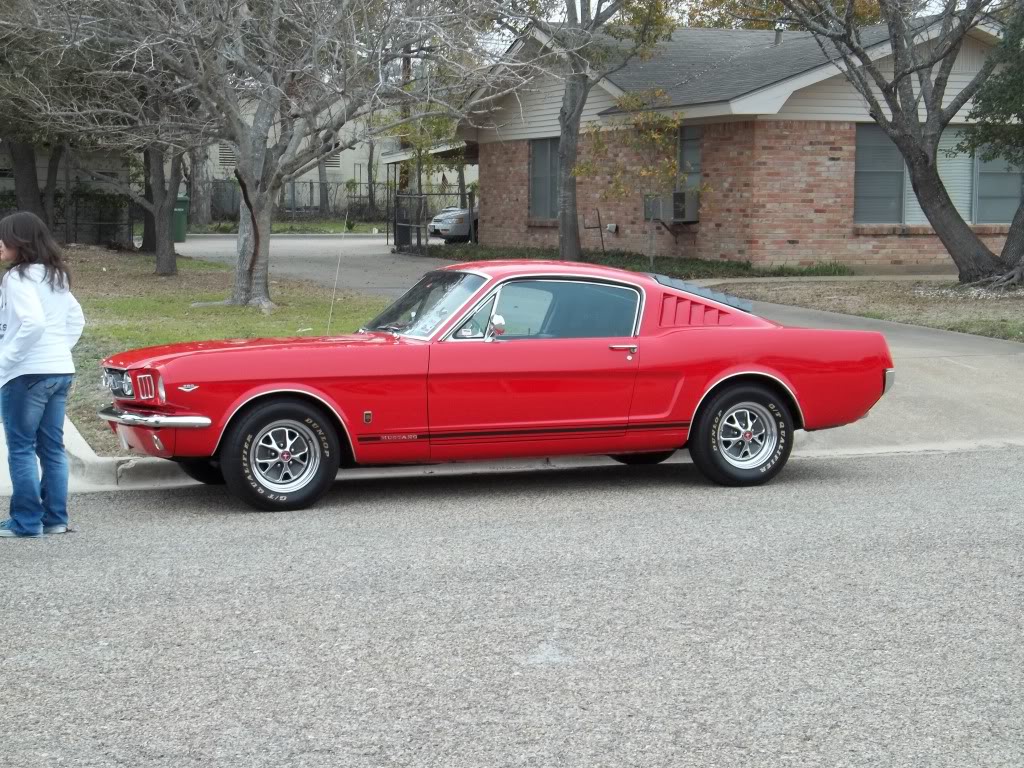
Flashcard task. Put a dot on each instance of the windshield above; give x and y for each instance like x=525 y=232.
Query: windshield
x=428 y=304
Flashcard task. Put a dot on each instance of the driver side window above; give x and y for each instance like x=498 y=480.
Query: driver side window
x=476 y=326
x=556 y=309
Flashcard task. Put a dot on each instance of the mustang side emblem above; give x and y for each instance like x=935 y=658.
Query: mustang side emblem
x=188 y=387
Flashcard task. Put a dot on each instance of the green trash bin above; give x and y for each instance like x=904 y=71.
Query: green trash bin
x=179 y=223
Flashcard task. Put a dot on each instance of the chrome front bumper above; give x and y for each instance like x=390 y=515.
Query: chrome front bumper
x=153 y=420
x=890 y=379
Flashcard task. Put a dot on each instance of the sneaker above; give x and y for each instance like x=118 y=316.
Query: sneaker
x=50 y=530
x=7 y=533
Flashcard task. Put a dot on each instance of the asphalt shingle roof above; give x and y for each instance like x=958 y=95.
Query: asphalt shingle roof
x=702 y=66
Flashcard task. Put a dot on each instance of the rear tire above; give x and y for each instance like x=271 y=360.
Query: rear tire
x=742 y=436
x=642 y=459
x=205 y=471
x=281 y=455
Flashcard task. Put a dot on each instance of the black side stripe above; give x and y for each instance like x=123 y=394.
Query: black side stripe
x=401 y=438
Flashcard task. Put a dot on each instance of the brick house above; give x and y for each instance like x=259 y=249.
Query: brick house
x=789 y=165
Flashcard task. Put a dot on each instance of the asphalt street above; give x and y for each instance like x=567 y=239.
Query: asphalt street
x=861 y=611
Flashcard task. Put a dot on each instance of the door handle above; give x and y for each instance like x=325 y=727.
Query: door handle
x=631 y=348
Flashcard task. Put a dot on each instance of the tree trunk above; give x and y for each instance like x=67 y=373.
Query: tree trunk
x=1013 y=248
x=972 y=257
x=577 y=87
x=52 y=174
x=325 y=200
x=201 y=192
x=371 y=195
x=26 y=178
x=166 y=258
x=148 y=222
x=252 y=284
x=163 y=193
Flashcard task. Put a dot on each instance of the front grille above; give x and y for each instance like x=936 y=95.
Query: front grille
x=144 y=387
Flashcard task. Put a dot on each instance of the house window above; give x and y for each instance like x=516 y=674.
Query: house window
x=333 y=160
x=878 y=178
x=683 y=205
x=544 y=179
x=226 y=155
x=1000 y=186
x=6 y=173
x=983 y=192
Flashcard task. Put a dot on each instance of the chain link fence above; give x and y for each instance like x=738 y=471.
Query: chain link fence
x=88 y=216
x=301 y=200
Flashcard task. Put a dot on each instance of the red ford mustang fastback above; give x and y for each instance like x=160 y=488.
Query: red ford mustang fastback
x=494 y=360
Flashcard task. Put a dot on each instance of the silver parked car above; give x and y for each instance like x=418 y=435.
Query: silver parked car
x=452 y=224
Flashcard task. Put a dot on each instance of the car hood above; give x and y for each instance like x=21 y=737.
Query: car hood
x=149 y=357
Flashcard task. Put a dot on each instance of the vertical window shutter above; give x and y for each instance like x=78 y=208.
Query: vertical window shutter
x=554 y=181
x=956 y=172
x=538 y=171
x=878 y=178
x=1000 y=187
x=544 y=179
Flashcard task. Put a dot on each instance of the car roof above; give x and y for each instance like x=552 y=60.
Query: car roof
x=513 y=267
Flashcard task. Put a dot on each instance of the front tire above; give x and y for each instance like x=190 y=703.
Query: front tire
x=743 y=436
x=281 y=455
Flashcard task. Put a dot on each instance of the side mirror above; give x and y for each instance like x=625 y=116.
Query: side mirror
x=496 y=327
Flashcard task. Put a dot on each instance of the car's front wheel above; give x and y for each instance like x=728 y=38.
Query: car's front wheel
x=280 y=455
x=743 y=436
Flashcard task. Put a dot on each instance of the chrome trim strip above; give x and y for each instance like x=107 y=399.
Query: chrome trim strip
x=146 y=387
x=792 y=394
x=495 y=290
x=153 y=421
x=344 y=426
x=890 y=380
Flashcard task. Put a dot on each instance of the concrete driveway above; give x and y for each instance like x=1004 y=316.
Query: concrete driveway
x=367 y=264
x=953 y=391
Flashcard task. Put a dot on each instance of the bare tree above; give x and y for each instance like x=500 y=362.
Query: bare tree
x=912 y=103
x=76 y=83
x=279 y=80
x=593 y=39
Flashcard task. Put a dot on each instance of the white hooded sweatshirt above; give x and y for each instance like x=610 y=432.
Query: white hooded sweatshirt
x=39 y=325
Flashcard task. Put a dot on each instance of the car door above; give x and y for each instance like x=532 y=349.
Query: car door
x=558 y=379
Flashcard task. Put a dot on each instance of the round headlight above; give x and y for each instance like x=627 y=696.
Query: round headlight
x=126 y=385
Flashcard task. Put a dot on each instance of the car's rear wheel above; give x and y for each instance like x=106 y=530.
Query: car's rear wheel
x=642 y=459
x=205 y=471
x=281 y=455
x=742 y=436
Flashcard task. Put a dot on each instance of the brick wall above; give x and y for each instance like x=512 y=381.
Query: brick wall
x=776 y=192
x=505 y=207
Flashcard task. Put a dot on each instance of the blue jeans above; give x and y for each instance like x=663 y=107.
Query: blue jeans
x=33 y=413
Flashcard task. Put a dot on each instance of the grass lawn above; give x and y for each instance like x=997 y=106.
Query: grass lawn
x=930 y=303
x=298 y=227
x=127 y=306
x=685 y=269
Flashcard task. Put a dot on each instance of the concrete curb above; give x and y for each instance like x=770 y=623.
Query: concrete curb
x=91 y=471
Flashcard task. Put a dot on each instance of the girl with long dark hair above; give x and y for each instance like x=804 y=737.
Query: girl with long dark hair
x=40 y=322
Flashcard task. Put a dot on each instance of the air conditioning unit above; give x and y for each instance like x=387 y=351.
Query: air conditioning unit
x=686 y=206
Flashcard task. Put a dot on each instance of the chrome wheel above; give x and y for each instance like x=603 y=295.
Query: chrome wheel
x=747 y=435
x=285 y=456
